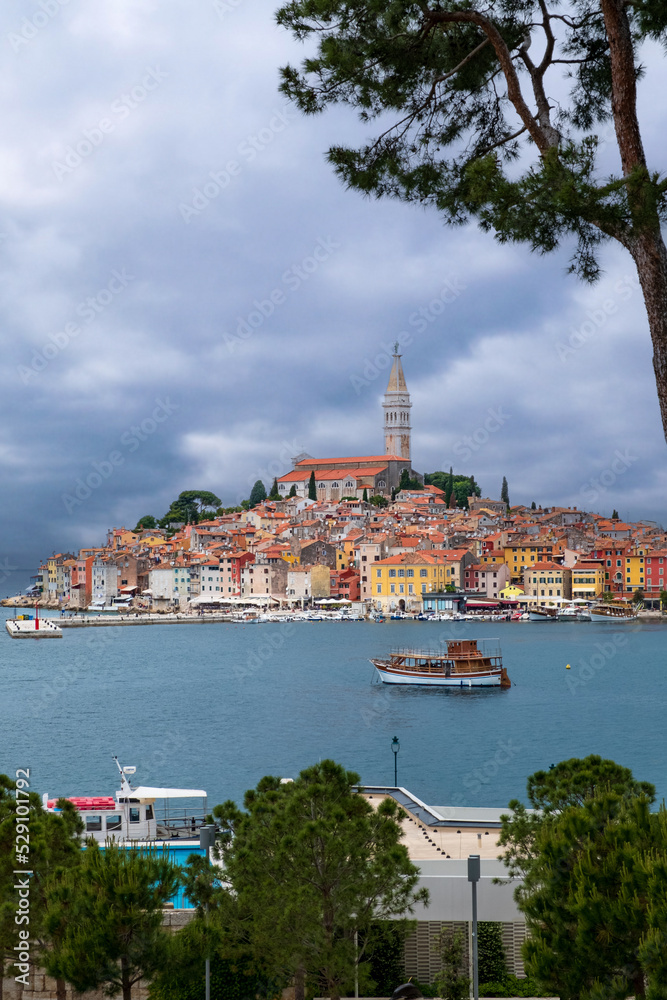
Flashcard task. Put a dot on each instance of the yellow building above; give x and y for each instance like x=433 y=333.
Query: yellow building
x=519 y=555
x=398 y=582
x=587 y=580
x=547 y=580
x=635 y=576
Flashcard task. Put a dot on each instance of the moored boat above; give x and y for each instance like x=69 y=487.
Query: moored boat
x=543 y=614
x=613 y=612
x=133 y=815
x=574 y=613
x=459 y=664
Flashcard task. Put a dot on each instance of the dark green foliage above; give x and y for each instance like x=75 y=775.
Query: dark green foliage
x=533 y=506
x=589 y=863
x=461 y=486
x=452 y=982
x=275 y=493
x=292 y=491
x=504 y=492
x=638 y=596
x=614 y=515
x=379 y=501
x=307 y=863
x=312 y=487
x=190 y=507
x=663 y=598
x=512 y=986
x=104 y=920
x=147 y=521
x=491 y=954
x=385 y=942
x=365 y=495
x=257 y=494
x=407 y=483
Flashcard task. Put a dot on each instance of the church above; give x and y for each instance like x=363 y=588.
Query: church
x=336 y=478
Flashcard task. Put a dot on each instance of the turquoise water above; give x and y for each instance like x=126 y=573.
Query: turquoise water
x=218 y=706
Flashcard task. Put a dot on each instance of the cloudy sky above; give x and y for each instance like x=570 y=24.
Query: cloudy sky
x=190 y=297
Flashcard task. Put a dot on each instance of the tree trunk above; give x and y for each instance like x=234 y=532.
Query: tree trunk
x=61 y=989
x=300 y=984
x=650 y=256
x=125 y=979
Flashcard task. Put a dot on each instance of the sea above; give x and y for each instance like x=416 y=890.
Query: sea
x=218 y=706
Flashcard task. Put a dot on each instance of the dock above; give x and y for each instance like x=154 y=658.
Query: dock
x=104 y=621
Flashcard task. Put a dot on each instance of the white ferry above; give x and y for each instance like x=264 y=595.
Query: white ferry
x=462 y=663
x=138 y=814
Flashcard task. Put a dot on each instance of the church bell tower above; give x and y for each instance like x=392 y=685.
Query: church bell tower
x=396 y=408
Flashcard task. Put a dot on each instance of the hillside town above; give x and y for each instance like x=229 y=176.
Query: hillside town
x=370 y=531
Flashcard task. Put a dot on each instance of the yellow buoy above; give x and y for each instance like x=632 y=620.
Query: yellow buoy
x=567 y=666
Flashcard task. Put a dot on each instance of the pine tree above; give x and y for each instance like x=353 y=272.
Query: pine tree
x=104 y=920
x=504 y=492
x=275 y=493
x=365 y=495
x=533 y=506
x=312 y=487
x=614 y=515
x=292 y=492
x=257 y=494
x=449 y=488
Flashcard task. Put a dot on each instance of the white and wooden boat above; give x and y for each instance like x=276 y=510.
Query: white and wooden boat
x=140 y=813
x=574 y=613
x=463 y=663
x=543 y=614
x=33 y=627
x=613 y=612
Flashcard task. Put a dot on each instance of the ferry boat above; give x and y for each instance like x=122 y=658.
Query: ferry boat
x=33 y=627
x=613 y=612
x=543 y=614
x=134 y=814
x=462 y=663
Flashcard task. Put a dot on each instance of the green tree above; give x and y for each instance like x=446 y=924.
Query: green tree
x=147 y=521
x=200 y=500
x=580 y=857
x=492 y=961
x=275 y=492
x=449 y=488
x=257 y=494
x=292 y=492
x=379 y=501
x=451 y=982
x=481 y=126
x=365 y=495
x=105 y=919
x=307 y=864
x=312 y=487
x=663 y=599
x=533 y=506
x=638 y=596
x=614 y=515
x=504 y=492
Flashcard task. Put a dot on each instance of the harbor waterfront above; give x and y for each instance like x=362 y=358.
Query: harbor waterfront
x=218 y=708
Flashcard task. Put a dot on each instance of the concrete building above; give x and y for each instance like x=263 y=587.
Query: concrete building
x=547 y=580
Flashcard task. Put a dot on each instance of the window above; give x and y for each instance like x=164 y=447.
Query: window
x=93 y=823
x=392 y=572
x=114 y=822
x=401 y=588
x=149 y=812
x=134 y=816
x=409 y=572
x=423 y=572
x=411 y=589
x=378 y=572
x=393 y=588
x=423 y=588
x=379 y=589
x=401 y=572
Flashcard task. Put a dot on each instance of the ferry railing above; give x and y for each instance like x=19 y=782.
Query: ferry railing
x=177 y=824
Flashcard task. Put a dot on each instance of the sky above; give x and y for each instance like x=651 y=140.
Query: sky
x=189 y=296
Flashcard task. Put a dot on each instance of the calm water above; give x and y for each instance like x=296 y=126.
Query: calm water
x=218 y=706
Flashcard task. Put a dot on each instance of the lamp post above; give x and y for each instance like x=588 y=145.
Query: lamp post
x=395 y=746
x=356 y=955
x=207 y=841
x=473 y=877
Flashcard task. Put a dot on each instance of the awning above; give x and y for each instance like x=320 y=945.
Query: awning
x=146 y=792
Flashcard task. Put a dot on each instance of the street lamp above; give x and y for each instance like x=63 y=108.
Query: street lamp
x=395 y=746
x=207 y=841
x=473 y=877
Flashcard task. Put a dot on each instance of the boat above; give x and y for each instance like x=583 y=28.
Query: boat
x=543 y=614
x=462 y=663
x=613 y=612
x=33 y=627
x=133 y=814
x=574 y=613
